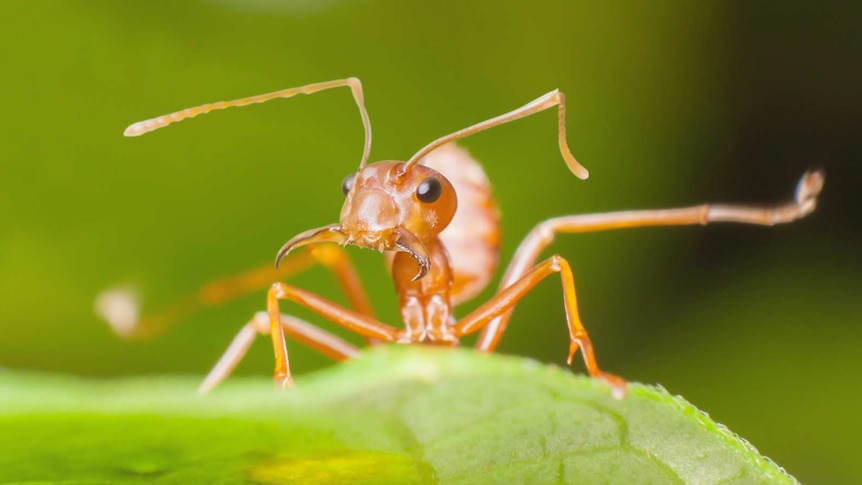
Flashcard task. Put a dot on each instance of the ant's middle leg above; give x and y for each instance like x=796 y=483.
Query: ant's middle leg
x=120 y=309
x=318 y=339
x=543 y=234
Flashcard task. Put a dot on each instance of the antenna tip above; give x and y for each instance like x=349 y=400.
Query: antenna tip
x=139 y=128
x=579 y=170
x=582 y=174
x=133 y=130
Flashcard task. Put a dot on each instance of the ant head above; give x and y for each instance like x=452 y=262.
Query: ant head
x=389 y=206
x=384 y=197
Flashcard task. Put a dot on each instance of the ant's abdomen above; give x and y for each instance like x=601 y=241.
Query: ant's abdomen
x=472 y=239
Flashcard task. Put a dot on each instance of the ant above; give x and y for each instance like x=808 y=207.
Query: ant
x=438 y=224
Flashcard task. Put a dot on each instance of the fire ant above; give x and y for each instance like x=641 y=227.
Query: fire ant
x=441 y=249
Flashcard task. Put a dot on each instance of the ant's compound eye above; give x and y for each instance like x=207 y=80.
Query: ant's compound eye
x=347 y=183
x=429 y=190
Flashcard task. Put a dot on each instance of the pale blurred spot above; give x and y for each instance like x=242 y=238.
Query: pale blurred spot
x=120 y=307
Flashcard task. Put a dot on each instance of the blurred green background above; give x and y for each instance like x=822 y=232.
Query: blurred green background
x=670 y=103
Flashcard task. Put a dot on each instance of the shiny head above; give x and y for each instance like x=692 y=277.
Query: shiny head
x=388 y=208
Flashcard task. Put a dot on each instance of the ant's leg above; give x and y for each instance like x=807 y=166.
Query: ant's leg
x=304 y=332
x=549 y=100
x=356 y=322
x=543 y=234
x=505 y=300
x=120 y=309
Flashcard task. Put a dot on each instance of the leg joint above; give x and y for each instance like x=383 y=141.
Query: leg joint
x=545 y=232
x=280 y=290
x=557 y=263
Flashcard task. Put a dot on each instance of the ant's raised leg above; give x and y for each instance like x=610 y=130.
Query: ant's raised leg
x=318 y=339
x=505 y=300
x=120 y=308
x=543 y=234
x=549 y=100
x=356 y=322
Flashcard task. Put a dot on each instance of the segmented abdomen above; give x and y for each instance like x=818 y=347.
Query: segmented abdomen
x=473 y=237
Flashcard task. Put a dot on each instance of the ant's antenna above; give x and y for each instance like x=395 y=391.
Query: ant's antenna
x=146 y=126
x=554 y=98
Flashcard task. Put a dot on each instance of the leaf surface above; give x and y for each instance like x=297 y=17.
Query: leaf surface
x=396 y=415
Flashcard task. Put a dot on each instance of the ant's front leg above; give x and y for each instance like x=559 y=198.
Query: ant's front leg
x=305 y=333
x=506 y=299
x=355 y=322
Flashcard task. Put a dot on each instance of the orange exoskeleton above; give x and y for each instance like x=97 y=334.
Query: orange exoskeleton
x=435 y=218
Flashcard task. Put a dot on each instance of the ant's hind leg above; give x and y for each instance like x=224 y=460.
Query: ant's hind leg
x=304 y=332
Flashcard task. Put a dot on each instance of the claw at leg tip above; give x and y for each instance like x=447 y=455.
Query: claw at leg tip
x=618 y=392
x=618 y=384
x=284 y=383
x=810 y=185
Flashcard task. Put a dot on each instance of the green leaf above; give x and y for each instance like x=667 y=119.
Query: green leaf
x=396 y=415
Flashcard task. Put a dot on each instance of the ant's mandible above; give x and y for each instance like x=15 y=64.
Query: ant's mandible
x=441 y=249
